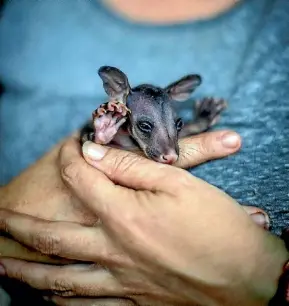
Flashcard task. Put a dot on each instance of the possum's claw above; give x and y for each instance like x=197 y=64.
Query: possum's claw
x=112 y=106
x=210 y=109
x=107 y=119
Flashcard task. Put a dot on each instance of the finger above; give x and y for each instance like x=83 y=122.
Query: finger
x=258 y=215
x=65 y=280
x=60 y=301
x=63 y=239
x=13 y=249
x=195 y=150
x=78 y=175
x=128 y=168
x=121 y=167
x=207 y=146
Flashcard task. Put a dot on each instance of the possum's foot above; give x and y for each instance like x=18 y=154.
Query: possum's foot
x=107 y=119
x=209 y=109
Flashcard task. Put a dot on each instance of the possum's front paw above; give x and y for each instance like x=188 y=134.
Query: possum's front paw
x=209 y=109
x=107 y=119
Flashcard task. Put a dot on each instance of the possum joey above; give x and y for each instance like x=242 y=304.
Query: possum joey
x=143 y=116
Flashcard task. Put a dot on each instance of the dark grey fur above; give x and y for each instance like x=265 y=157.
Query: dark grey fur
x=153 y=123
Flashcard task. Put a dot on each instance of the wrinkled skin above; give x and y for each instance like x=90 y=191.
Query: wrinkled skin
x=39 y=191
x=139 y=202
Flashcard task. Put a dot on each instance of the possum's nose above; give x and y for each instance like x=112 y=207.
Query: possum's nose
x=168 y=158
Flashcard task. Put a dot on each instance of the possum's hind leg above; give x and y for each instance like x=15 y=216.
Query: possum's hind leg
x=207 y=114
x=106 y=121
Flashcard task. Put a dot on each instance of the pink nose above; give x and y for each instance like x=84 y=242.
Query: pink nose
x=169 y=158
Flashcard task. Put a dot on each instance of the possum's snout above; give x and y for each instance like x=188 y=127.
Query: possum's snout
x=169 y=158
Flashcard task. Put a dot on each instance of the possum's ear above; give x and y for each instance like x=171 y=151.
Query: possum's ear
x=183 y=88
x=115 y=82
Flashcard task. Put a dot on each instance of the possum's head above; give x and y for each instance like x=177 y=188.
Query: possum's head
x=153 y=123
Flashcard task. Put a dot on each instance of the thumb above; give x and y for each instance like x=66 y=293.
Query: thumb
x=129 y=169
x=207 y=146
x=108 y=186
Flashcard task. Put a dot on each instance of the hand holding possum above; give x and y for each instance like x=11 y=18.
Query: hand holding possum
x=39 y=191
x=161 y=238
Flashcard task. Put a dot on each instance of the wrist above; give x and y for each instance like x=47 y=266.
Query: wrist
x=281 y=297
x=268 y=267
x=256 y=269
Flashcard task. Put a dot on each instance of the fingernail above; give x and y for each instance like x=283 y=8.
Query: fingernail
x=93 y=150
x=261 y=219
x=230 y=140
x=2 y=270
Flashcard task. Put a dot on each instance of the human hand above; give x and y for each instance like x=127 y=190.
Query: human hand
x=149 y=213
x=39 y=191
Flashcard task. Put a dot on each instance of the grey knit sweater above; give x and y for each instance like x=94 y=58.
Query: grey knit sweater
x=50 y=52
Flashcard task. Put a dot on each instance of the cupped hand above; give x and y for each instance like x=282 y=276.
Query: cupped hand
x=39 y=191
x=164 y=237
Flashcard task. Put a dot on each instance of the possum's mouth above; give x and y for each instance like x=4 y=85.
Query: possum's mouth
x=150 y=154
x=169 y=158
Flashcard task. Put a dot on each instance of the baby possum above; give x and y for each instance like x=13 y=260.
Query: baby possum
x=143 y=116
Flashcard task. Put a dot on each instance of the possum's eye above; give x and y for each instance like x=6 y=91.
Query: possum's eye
x=145 y=126
x=179 y=124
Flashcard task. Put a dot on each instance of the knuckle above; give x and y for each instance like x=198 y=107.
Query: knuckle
x=195 y=150
x=202 y=146
x=61 y=287
x=19 y=273
x=69 y=172
x=122 y=163
x=199 y=146
x=183 y=180
x=206 y=146
x=47 y=242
